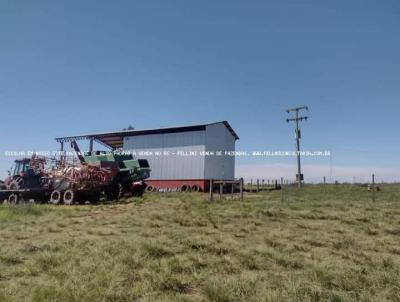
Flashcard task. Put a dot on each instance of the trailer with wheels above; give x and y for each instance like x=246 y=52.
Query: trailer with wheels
x=17 y=196
x=83 y=184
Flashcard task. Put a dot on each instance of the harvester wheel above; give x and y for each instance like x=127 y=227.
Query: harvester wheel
x=114 y=192
x=109 y=194
x=55 y=197
x=13 y=199
x=138 y=191
x=150 y=188
x=69 y=197
x=94 y=197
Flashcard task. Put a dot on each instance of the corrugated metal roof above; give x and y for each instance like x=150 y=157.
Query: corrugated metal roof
x=114 y=140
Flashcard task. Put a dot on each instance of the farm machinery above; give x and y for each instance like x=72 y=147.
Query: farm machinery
x=130 y=173
x=26 y=179
x=109 y=174
x=76 y=184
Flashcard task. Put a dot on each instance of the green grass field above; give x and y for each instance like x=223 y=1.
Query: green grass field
x=331 y=244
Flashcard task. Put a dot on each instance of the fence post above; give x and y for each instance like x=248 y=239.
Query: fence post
x=251 y=185
x=258 y=185
x=262 y=186
x=233 y=188
x=373 y=187
x=221 y=188
x=241 y=189
x=282 y=189
x=211 y=190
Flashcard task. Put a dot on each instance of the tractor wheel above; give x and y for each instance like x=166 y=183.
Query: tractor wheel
x=94 y=197
x=109 y=194
x=114 y=192
x=120 y=191
x=138 y=191
x=13 y=199
x=69 y=197
x=16 y=184
x=55 y=197
x=3 y=198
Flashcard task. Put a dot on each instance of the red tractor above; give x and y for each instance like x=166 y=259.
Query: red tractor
x=26 y=179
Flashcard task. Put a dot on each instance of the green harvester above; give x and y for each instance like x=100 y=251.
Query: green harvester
x=130 y=176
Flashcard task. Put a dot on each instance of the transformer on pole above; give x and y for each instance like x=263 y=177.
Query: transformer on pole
x=297 y=119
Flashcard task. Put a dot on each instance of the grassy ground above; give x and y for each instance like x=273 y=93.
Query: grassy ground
x=330 y=244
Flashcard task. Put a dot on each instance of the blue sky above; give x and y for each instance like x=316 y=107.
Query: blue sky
x=70 y=67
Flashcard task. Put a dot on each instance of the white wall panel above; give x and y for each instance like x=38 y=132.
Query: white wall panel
x=216 y=137
x=173 y=166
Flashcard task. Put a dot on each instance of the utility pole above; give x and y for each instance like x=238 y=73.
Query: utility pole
x=297 y=119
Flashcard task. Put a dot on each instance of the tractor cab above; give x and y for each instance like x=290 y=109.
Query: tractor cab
x=17 y=172
x=19 y=167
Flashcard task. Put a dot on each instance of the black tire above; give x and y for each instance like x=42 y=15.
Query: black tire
x=195 y=188
x=120 y=191
x=69 y=197
x=109 y=194
x=138 y=191
x=3 y=197
x=55 y=197
x=13 y=199
x=114 y=192
x=94 y=197
x=185 y=188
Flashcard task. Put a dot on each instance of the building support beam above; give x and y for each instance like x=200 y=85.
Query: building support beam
x=91 y=146
x=61 y=151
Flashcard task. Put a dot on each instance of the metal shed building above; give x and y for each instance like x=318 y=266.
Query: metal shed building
x=178 y=156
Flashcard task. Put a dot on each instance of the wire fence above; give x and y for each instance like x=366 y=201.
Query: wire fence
x=289 y=190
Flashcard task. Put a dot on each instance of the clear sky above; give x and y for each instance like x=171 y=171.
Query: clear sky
x=71 y=67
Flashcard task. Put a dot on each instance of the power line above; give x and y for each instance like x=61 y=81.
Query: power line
x=297 y=119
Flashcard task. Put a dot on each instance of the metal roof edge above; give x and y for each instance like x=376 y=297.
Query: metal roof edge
x=124 y=133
